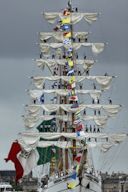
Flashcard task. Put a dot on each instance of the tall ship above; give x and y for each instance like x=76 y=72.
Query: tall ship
x=65 y=117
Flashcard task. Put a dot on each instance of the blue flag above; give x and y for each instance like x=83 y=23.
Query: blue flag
x=65 y=27
x=71 y=72
x=67 y=41
x=73 y=176
x=78 y=133
x=74 y=105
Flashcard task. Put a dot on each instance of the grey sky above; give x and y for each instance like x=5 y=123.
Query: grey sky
x=20 y=20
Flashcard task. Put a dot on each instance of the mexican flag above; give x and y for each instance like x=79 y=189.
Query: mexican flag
x=26 y=155
x=23 y=161
x=26 y=159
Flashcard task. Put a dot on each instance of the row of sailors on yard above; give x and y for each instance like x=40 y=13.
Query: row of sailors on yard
x=92 y=129
x=97 y=101
x=77 y=72
x=62 y=101
x=60 y=56
x=90 y=139
x=81 y=39
x=96 y=112
x=60 y=85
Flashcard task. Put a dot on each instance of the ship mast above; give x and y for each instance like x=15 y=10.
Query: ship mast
x=65 y=100
x=66 y=151
x=74 y=62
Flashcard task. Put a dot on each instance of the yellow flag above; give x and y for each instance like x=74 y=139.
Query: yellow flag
x=73 y=92
x=72 y=185
x=66 y=20
x=72 y=79
x=78 y=112
x=70 y=62
x=67 y=34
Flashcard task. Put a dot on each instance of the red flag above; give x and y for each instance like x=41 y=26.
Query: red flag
x=66 y=12
x=12 y=156
x=73 y=98
x=79 y=127
x=78 y=157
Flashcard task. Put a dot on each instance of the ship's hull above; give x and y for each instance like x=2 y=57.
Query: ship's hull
x=89 y=184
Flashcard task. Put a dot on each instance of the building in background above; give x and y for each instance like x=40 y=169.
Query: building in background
x=7 y=175
x=117 y=182
x=28 y=184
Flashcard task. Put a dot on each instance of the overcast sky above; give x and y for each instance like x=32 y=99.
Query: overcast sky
x=20 y=20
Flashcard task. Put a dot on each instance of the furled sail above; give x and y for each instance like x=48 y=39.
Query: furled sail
x=51 y=63
x=111 y=110
x=30 y=121
x=95 y=47
x=29 y=142
x=76 y=17
x=59 y=36
x=51 y=136
x=103 y=146
x=103 y=81
x=36 y=94
x=67 y=144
